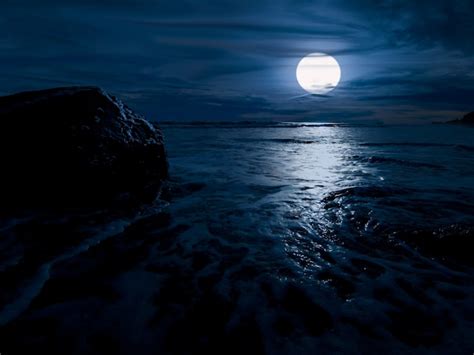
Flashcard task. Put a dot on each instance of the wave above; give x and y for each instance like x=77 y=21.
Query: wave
x=279 y=140
x=405 y=144
x=454 y=242
x=391 y=215
x=418 y=144
x=258 y=124
x=364 y=191
x=401 y=162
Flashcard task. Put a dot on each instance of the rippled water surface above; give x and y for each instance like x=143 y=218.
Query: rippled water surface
x=324 y=207
x=290 y=238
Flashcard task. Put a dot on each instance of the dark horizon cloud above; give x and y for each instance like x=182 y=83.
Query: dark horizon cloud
x=236 y=59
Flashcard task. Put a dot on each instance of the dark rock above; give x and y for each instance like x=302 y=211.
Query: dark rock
x=468 y=119
x=77 y=146
x=451 y=244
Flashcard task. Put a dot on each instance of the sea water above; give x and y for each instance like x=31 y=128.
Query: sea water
x=284 y=238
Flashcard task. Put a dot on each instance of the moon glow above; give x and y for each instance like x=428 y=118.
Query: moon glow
x=318 y=73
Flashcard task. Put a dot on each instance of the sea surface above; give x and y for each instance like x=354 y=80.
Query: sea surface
x=276 y=238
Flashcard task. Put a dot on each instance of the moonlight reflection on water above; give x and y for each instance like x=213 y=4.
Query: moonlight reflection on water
x=281 y=239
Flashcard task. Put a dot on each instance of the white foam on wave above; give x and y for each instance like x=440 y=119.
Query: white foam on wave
x=14 y=309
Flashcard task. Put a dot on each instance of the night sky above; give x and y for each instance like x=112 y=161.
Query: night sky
x=402 y=61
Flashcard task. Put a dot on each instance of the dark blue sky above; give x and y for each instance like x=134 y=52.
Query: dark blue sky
x=402 y=61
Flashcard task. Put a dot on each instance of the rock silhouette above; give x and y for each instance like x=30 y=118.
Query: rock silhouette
x=77 y=146
x=468 y=119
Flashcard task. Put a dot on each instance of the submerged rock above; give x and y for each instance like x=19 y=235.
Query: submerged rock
x=452 y=244
x=77 y=146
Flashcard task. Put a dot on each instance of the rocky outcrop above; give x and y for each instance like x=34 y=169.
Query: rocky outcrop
x=77 y=146
x=468 y=119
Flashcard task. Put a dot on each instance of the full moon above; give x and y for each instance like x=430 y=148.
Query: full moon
x=318 y=73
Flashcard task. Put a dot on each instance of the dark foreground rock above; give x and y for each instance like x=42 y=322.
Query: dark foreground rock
x=77 y=146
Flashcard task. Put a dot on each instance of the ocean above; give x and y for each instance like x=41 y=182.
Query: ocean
x=277 y=238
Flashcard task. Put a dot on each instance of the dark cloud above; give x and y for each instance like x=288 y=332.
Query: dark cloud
x=424 y=23
x=176 y=104
x=228 y=59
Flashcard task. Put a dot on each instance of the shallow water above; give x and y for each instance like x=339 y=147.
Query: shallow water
x=288 y=238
